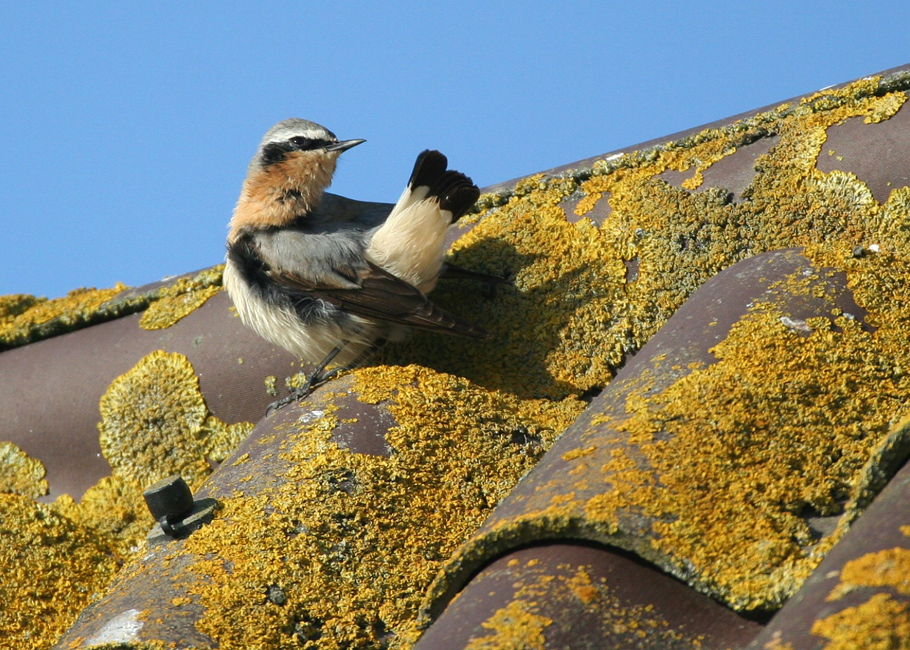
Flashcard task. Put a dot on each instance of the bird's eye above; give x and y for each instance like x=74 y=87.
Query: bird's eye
x=303 y=143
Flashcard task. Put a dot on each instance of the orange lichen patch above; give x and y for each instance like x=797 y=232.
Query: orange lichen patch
x=181 y=298
x=782 y=425
x=881 y=623
x=884 y=107
x=514 y=628
x=154 y=423
x=352 y=540
x=777 y=644
x=52 y=567
x=42 y=317
x=585 y=590
x=887 y=568
x=20 y=473
x=721 y=462
x=525 y=621
x=557 y=329
x=114 y=510
x=578 y=453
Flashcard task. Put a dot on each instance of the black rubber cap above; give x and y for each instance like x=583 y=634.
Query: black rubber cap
x=170 y=497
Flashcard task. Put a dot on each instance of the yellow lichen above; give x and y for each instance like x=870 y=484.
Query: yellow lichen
x=781 y=425
x=26 y=318
x=525 y=620
x=151 y=421
x=578 y=453
x=221 y=438
x=786 y=426
x=886 y=568
x=20 y=473
x=154 y=423
x=884 y=107
x=181 y=298
x=557 y=329
x=56 y=559
x=514 y=628
x=353 y=540
x=52 y=568
x=115 y=511
x=881 y=623
x=13 y=305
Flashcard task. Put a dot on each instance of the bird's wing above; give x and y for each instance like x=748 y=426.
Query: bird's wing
x=382 y=296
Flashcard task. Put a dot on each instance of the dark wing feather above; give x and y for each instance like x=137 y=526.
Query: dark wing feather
x=383 y=296
x=455 y=191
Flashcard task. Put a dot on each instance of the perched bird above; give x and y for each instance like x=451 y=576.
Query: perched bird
x=333 y=285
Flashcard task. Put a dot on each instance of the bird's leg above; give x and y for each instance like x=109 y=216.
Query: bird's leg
x=455 y=272
x=360 y=358
x=316 y=378
x=319 y=376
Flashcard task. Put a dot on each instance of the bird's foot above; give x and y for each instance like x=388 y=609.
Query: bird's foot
x=295 y=396
x=314 y=381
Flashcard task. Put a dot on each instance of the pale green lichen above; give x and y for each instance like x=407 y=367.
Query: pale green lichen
x=154 y=423
x=179 y=299
x=20 y=473
x=24 y=319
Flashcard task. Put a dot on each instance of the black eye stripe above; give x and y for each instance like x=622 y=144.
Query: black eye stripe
x=303 y=143
x=275 y=152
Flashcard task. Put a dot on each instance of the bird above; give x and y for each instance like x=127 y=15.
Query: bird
x=330 y=285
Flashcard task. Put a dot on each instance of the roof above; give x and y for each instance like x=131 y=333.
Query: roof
x=693 y=391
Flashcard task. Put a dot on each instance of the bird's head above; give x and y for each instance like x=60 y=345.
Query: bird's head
x=292 y=167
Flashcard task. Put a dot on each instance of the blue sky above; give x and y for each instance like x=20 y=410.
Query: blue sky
x=126 y=128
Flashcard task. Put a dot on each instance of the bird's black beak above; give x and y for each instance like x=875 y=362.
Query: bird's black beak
x=344 y=145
